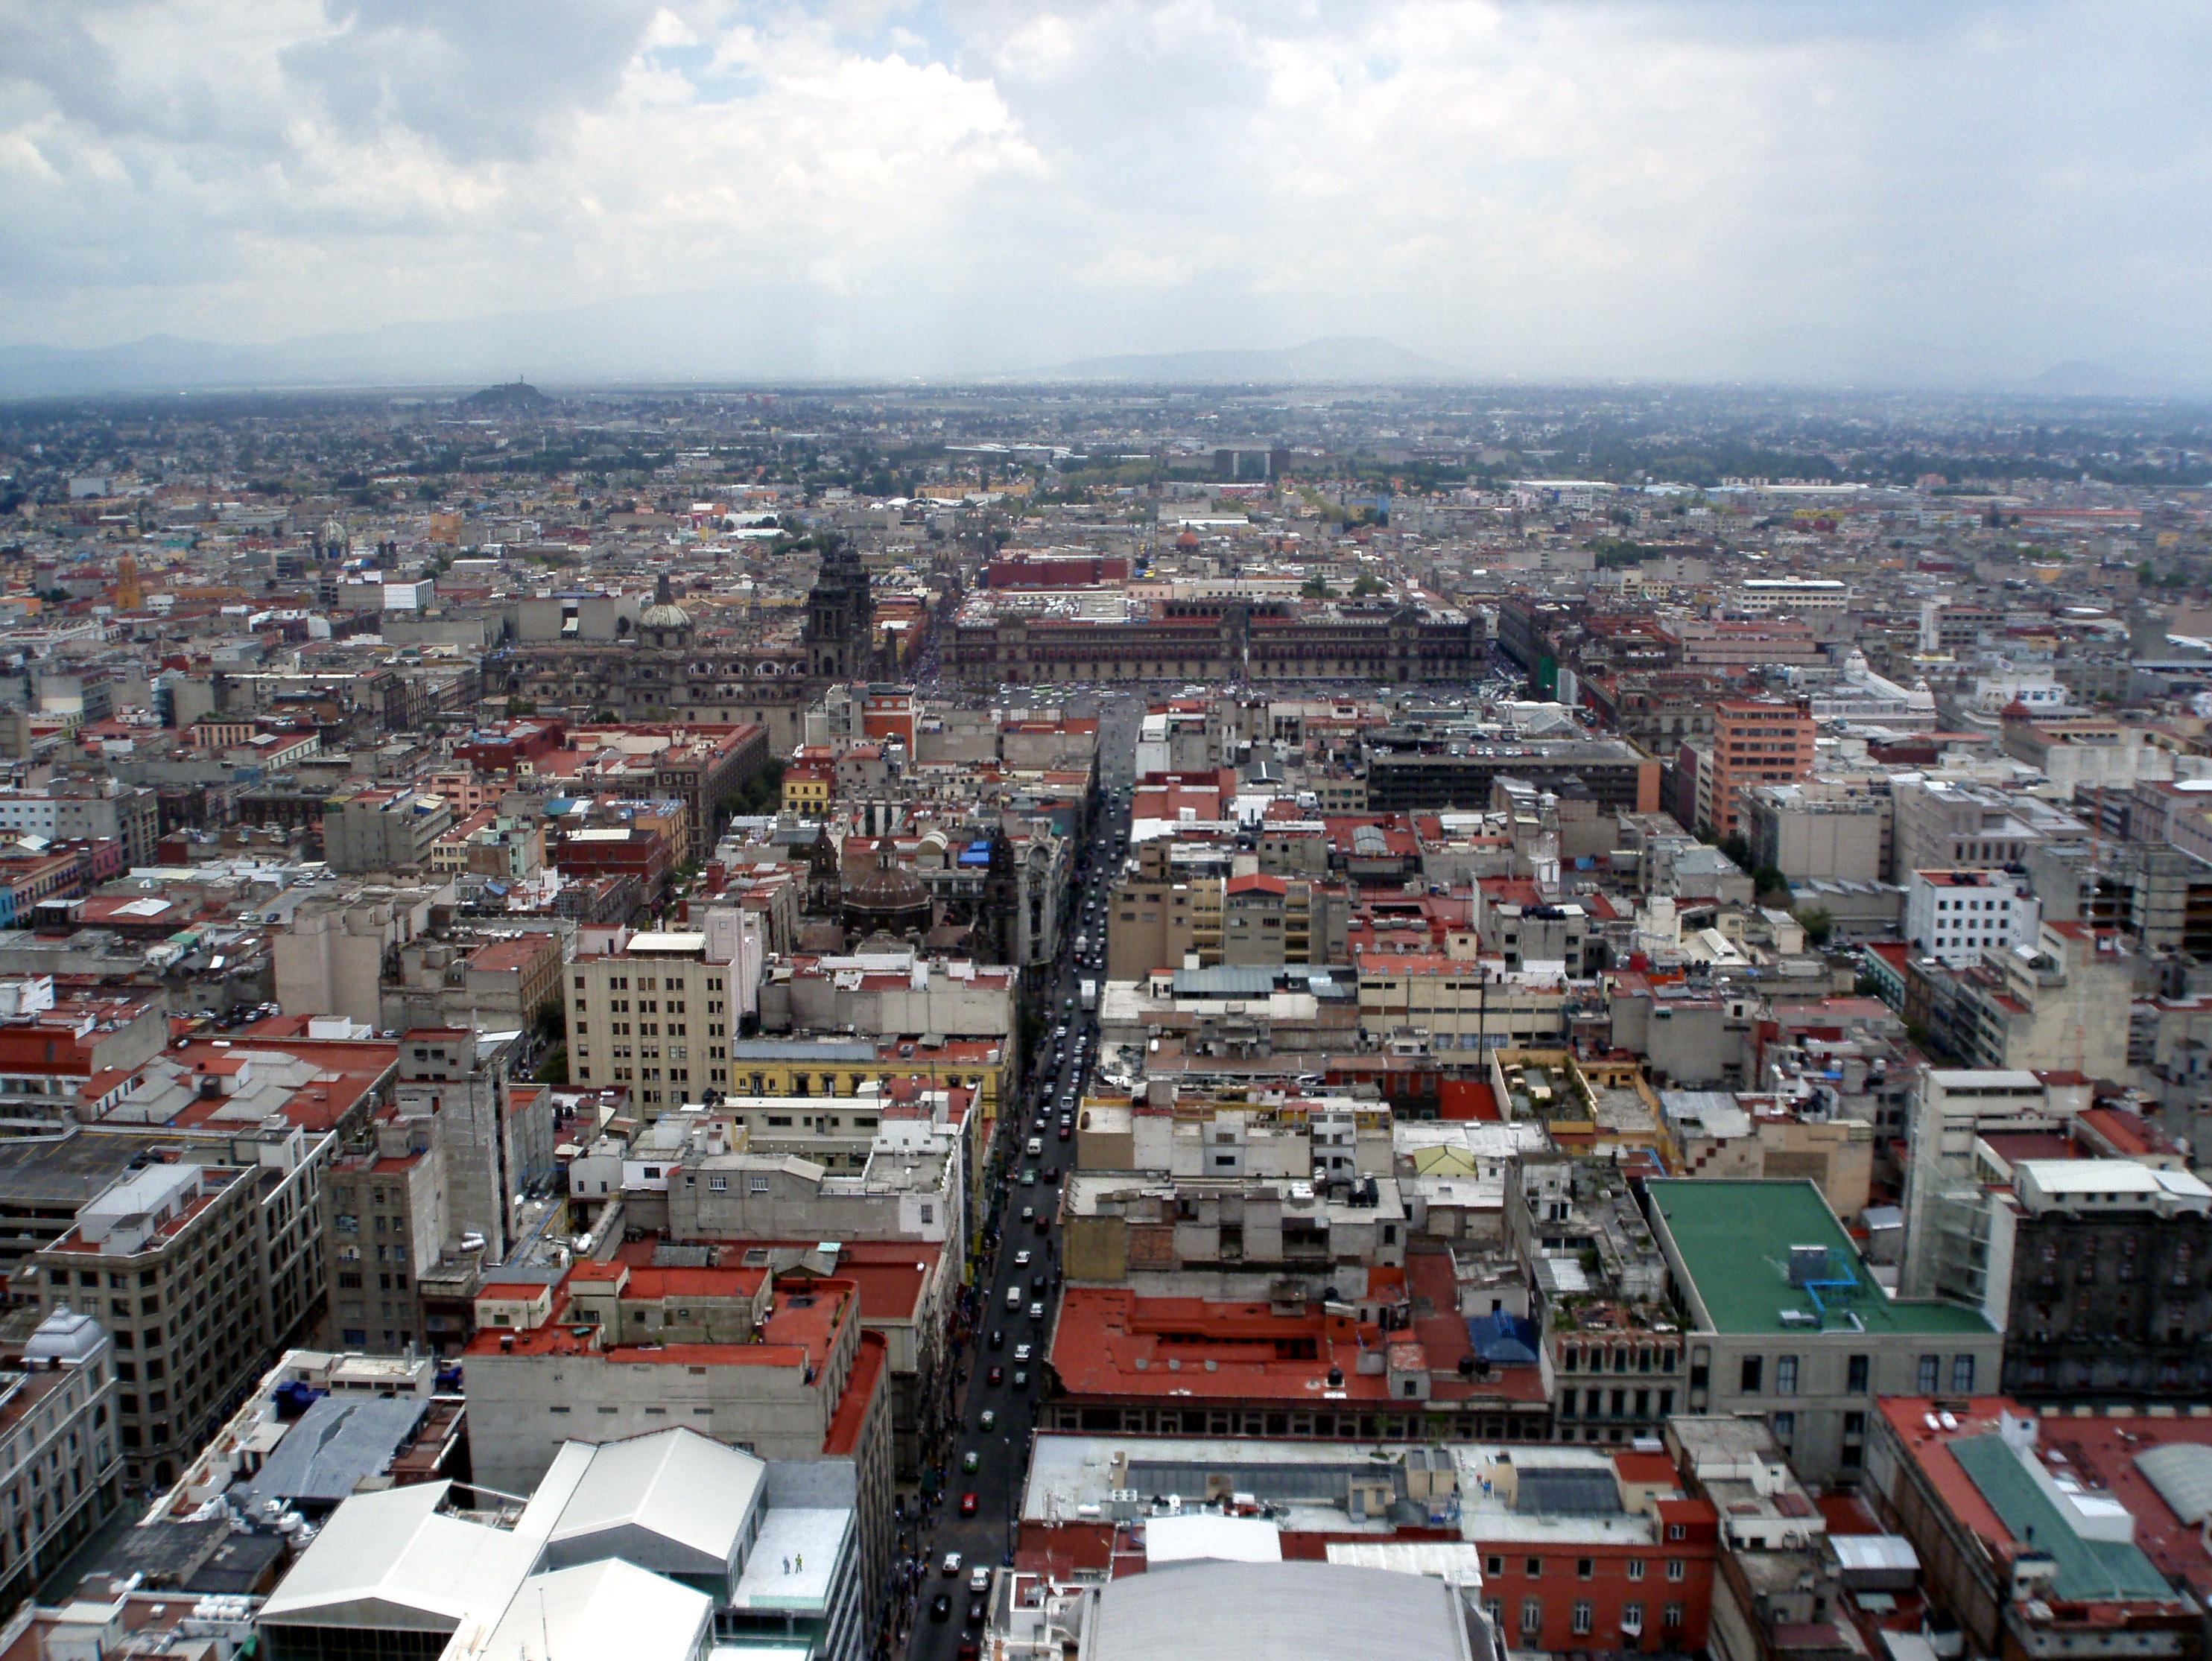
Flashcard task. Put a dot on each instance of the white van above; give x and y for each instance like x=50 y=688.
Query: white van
x=1035 y=1147
x=1013 y=1297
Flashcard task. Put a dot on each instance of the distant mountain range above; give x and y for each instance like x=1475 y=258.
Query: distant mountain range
x=792 y=337
x=1336 y=358
x=2078 y=377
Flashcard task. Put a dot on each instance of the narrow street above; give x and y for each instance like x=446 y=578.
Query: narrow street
x=1024 y=1259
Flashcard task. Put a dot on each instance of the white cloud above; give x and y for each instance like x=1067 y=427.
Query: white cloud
x=1711 y=185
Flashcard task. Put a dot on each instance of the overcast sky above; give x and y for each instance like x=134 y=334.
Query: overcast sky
x=1712 y=188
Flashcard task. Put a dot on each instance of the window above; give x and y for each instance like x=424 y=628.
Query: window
x=1533 y=1568
x=1671 y=1617
x=1532 y=1617
x=1785 y=1375
x=1785 y=1426
x=1584 y=1616
x=1755 y=1367
x=1585 y=1568
x=717 y=1185
x=1855 y=1381
x=1962 y=1374
x=1494 y=1567
x=1677 y=1531
x=1631 y=1618
x=1930 y=1374
x=1636 y=1568
x=757 y=1185
x=1676 y=1568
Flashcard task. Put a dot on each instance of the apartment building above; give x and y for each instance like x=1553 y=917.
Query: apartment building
x=1459 y=1004
x=1955 y=916
x=384 y=830
x=52 y=1046
x=171 y=1260
x=61 y=1461
x=1755 y=741
x=1785 y=1321
x=656 y=1015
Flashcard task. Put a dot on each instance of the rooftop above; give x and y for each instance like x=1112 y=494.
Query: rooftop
x=1735 y=1241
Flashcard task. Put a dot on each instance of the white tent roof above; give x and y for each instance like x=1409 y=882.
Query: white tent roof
x=609 y=1608
x=686 y=1487
x=389 y=1559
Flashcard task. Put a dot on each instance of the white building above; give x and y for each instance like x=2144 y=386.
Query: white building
x=642 y=1549
x=1954 y=916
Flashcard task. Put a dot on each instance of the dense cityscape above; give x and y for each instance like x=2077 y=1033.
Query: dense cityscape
x=1092 y=1020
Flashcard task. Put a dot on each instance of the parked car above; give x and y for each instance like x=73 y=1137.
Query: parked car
x=1021 y=1258
x=951 y=1564
x=979 y=1579
x=1037 y=1313
x=995 y=1377
x=968 y=1509
x=1021 y=1352
x=975 y=1611
x=940 y=1606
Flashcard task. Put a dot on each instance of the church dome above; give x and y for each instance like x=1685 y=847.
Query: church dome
x=664 y=612
x=889 y=897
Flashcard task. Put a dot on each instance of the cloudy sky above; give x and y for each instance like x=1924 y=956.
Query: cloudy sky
x=1710 y=188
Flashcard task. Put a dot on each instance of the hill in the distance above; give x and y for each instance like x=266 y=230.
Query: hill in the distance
x=514 y=398
x=1338 y=358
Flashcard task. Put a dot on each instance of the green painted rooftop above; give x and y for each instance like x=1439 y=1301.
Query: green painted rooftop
x=1734 y=1239
x=2090 y=1571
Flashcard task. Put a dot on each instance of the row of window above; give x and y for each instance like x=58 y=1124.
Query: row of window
x=1532 y=1568
x=1927 y=1373
x=1583 y=1617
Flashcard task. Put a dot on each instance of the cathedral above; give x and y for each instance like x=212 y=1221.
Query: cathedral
x=667 y=671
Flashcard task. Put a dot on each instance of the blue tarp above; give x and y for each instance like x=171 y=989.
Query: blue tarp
x=1503 y=1340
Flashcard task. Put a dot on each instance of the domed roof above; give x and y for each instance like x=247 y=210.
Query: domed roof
x=664 y=612
x=888 y=890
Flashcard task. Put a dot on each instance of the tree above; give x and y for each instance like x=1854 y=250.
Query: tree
x=1313 y=589
x=1737 y=849
x=1818 y=923
x=1767 y=880
x=1366 y=584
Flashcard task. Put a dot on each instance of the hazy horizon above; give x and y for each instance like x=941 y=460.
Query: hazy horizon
x=336 y=192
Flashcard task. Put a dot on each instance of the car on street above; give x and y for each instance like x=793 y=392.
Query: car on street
x=968 y=1504
x=1037 y=1313
x=1044 y=1224
x=998 y=1337
x=1029 y=1214
x=974 y=1612
x=1065 y=1131
x=995 y=1377
x=970 y=1461
x=979 y=1579
x=940 y=1606
x=1030 y=1177
x=990 y=1419
x=1021 y=1378
x=951 y=1564
x=1021 y=1354
x=1052 y=1173
x=1021 y=1258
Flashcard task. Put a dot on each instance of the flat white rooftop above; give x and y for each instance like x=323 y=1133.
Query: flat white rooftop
x=792 y=1561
